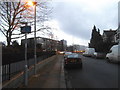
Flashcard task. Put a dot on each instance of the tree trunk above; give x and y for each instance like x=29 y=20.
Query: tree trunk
x=8 y=41
x=9 y=38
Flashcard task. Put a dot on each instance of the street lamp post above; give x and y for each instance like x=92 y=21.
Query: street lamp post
x=26 y=29
x=30 y=3
x=35 y=55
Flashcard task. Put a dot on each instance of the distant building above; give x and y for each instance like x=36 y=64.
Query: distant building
x=64 y=45
x=46 y=44
x=109 y=35
x=70 y=48
x=76 y=48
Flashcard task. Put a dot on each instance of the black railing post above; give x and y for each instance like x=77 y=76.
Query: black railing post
x=9 y=73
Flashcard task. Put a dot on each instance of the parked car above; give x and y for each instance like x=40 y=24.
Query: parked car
x=113 y=55
x=72 y=60
x=89 y=52
x=99 y=55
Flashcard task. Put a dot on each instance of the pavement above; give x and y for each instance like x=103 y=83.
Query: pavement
x=50 y=76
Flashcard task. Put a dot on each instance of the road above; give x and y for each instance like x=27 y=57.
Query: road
x=96 y=73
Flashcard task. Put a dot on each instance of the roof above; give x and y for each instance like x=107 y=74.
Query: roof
x=109 y=33
x=32 y=38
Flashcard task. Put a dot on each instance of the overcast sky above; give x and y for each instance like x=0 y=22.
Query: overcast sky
x=76 y=18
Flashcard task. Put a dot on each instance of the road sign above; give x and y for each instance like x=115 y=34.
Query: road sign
x=26 y=29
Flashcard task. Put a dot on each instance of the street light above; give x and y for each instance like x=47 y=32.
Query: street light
x=35 y=56
x=26 y=30
x=31 y=3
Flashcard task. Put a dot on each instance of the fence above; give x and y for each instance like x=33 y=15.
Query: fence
x=12 y=68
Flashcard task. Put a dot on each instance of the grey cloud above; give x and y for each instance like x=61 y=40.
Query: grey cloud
x=77 y=21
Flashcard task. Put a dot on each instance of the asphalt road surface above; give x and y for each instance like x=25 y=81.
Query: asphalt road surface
x=96 y=73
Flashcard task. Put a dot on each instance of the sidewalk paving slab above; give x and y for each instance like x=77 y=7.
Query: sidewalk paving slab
x=50 y=76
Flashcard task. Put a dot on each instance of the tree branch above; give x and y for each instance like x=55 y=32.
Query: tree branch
x=3 y=32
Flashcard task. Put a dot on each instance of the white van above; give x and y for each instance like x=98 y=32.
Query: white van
x=113 y=55
x=89 y=52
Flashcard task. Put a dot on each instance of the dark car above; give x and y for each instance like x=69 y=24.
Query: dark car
x=72 y=60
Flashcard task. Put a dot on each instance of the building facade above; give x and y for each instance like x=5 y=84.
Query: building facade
x=64 y=45
x=76 y=48
x=46 y=44
x=109 y=36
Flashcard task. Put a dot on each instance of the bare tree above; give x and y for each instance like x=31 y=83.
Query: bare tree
x=13 y=13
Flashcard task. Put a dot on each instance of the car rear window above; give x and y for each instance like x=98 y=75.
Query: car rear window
x=68 y=53
x=73 y=56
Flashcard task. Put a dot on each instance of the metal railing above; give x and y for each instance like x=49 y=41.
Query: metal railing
x=11 y=69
